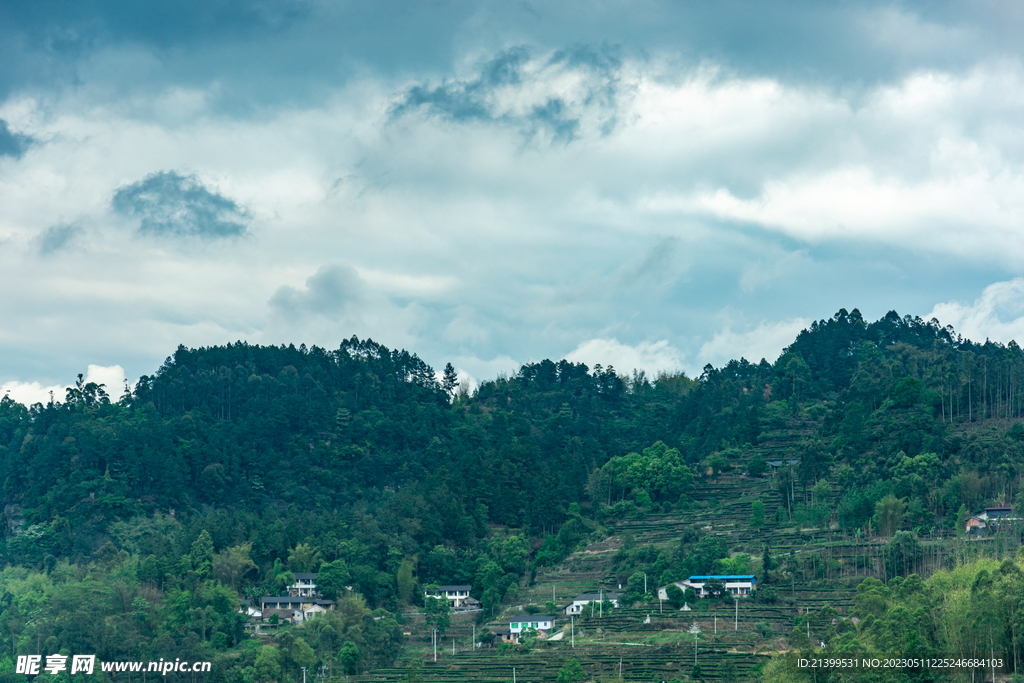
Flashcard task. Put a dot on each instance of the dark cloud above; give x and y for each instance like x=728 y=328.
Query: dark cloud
x=56 y=238
x=258 y=52
x=466 y=100
x=549 y=109
x=267 y=52
x=332 y=290
x=78 y=27
x=12 y=144
x=172 y=204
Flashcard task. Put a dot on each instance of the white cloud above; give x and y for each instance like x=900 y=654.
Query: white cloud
x=112 y=377
x=29 y=393
x=652 y=357
x=935 y=214
x=764 y=341
x=407 y=285
x=934 y=162
x=462 y=239
x=998 y=314
x=472 y=371
x=477 y=368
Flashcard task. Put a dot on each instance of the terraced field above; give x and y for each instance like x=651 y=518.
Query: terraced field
x=638 y=663
x=652 y=642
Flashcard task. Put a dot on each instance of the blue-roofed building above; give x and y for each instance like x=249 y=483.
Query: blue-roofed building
x=736 y=584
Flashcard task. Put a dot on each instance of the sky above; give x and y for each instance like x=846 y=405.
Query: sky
x=646 y=184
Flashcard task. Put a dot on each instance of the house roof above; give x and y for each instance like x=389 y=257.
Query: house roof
x=284 y=598
x=452 y=589
x=590 y=597
x=530 y=617
x=281 y=613
x=726 y=577
x=305 y=576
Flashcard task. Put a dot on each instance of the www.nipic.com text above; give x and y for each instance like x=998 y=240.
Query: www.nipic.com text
x=85 y=664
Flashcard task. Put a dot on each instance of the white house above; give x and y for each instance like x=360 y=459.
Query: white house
x=542 y=624
x=292 y=603
x=457 y=595
x=736 y=584
x=307 y=613
x=304 y=587
x=584 y=599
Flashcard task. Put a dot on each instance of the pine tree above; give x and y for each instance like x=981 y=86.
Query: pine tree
x=450 y=380
x=767 y=563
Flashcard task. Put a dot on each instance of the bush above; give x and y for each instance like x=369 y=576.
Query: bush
x=757 y=466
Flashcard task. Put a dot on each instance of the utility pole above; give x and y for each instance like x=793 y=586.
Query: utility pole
x=435 y=644
x=736 y=627
x=473 y=644
x=453 y=647
x=601 y=611
x=992 y=659
x=572 y=630
x=513 y=674
x=645 y=583
x=303 y=674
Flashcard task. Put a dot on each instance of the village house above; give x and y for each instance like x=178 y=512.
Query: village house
x=304 y=586
x=458 y=595
x=307 y=613
x=543 y=625
x=584 y=599
x=736 y=584
x=284 y=616
x=981 y=523
x=288 y=602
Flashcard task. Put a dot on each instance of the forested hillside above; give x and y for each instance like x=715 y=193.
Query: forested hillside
x=134 y=522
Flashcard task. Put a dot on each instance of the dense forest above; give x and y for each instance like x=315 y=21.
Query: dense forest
x=134 y=523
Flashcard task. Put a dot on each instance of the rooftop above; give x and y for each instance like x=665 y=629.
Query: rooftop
x=725 y=577
x=283 y=598
x=597 y=596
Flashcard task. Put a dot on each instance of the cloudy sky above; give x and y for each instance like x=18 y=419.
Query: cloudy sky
x=649 y=184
